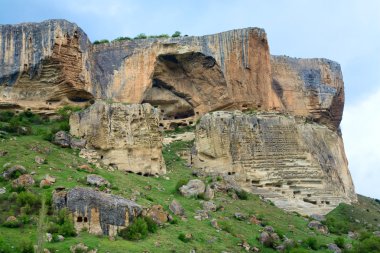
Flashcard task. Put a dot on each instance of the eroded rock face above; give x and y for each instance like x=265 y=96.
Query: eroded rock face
x=98 y=212
x=310 y=87
x=300 y=166
x=43 y=65
x=125 y=136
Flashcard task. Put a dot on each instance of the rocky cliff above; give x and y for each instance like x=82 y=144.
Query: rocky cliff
x=124 y=136
x=300 y=166
x=43 y=65
x=291 y=152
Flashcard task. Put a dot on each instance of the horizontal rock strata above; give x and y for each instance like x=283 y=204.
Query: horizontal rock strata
x=300 y=166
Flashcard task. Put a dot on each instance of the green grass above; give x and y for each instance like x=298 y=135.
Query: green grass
x=62 y=163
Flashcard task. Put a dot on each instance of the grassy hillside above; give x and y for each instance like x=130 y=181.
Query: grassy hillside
x=63 y=163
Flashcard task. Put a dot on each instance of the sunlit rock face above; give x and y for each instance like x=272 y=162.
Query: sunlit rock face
x=300 y=166
x=124 y=136
x=286 y=145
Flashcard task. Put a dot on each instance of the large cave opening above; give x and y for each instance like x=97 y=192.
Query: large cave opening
x=185 y=86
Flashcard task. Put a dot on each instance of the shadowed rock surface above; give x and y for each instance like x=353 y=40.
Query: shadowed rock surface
x=98 y=212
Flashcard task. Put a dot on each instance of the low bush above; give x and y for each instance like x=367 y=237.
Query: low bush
x=136 y=231
x=368 y=245
x=152 y=226
x=103 y=41
x=140 y=36
x=243 y=195
x=122 y=39
x=12 y=224
x=29 y=200
x=339 y=241
x=184 y=238
x=311 y=243
x=26 y=247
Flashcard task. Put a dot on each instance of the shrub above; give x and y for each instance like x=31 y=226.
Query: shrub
x=311 y=243
x=141 y=36
x=173 y=221
x=180 y=183
x=67 y=228
x=243 y=195
x=122 y=39
x=368 y=245
x=27 y=198
x=339 y=241
x=184 y=238
x=5 y=116
x=67 y=110
x=12 y=224
x=152 y=226
x=26 y=247
x=176 y=34
x=103 y=41
x=136 y=231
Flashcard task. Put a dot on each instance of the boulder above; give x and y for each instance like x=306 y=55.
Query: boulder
x=269 y=229
x=209 y=193
x=240 y=216
x=3 y=153
x=317 y=225
x=209 y=206
x=62 y=139
x=264 y=238
x=97 y=180
x=49 y=237
x=86 y=167
x=11 y=219
x=214 y=224
x=201 y=215
x=333 y=248
x=158 y=214
x=76 y=143
x=176 y=208
x=193 y=188
x=39 y=160
x=11 y=172
x=318 y=217
x=24 y=180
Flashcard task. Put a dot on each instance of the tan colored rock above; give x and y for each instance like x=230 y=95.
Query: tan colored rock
x=310 y=87
x=24 y=180
x=126 y=136
x=158 y=214
x=299 y=166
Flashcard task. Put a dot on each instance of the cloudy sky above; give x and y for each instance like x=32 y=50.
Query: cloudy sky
x=347 y=31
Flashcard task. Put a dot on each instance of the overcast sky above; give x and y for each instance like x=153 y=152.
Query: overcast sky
x=347 y=31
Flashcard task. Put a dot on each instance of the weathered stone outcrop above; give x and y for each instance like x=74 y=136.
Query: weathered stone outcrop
x=43 y=65
x=300 y=166
x=311 y=88
x=98 y=212
x=125 y=136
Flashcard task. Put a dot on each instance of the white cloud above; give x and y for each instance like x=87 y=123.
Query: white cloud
x=361 y=135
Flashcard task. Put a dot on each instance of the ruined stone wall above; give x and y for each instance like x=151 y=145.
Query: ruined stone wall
x=124 y=136
x=300 y=166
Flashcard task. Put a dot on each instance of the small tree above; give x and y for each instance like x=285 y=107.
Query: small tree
x=141 y=36
x=176 y=34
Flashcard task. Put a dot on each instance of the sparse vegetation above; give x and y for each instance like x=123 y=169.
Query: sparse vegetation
x=103 y=41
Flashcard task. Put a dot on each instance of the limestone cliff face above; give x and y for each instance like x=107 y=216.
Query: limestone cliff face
x=310 y=87
x=300 y=166
x=124 y=136
x=43 y=65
